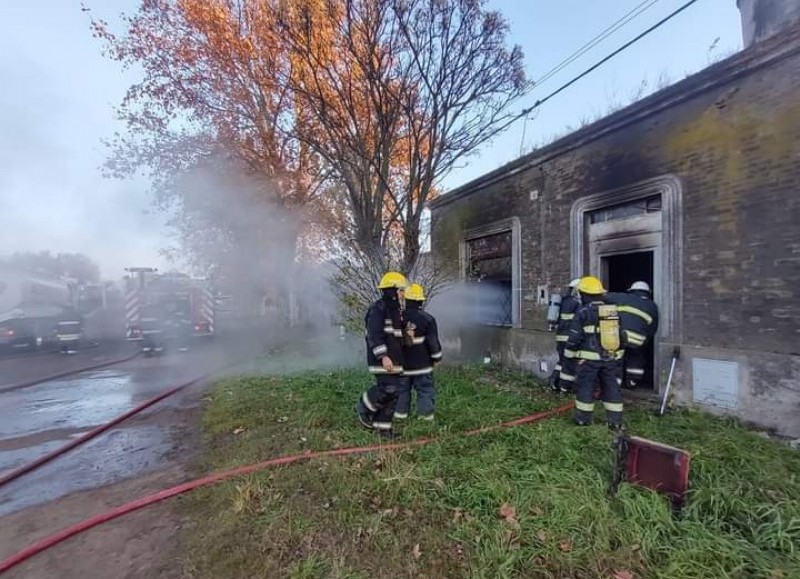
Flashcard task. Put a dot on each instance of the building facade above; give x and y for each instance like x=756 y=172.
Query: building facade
x=695 y=189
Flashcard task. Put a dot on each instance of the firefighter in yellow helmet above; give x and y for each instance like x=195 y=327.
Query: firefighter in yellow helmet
x=384 y=337
x=596 y=341
x=421 y=353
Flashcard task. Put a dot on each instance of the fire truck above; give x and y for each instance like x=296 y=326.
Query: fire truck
x=34 y=308
x=169 y=308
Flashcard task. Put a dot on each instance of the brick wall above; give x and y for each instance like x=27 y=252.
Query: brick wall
x=732 y=135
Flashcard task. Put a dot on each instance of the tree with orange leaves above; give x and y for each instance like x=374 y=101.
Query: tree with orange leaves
x=373 y=101
x=215 y=130
x=397 y=92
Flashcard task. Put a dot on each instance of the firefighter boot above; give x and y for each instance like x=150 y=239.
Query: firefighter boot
x=388 y=434
x=553 y=380
x=364 y=415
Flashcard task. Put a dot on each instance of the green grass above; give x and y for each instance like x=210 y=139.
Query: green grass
x=435 y=511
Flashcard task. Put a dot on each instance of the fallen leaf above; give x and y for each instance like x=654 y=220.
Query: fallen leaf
x=509 y=513
x=239 y=430
x=542 y=536
x=537 y=511
x=623 y=574
x=565 y=545
x=417 y=553
x=283 y=419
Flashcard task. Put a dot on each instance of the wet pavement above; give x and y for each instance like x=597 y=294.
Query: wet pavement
x=24 y=367
x=36 y=420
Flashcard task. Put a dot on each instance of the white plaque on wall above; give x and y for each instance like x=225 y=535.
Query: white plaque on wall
x=715 y=383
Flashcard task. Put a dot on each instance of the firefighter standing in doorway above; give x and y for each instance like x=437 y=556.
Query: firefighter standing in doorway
x=422 y=352
x=595 y=337
x=638 y=315
x=563 y=377
x=384 y=337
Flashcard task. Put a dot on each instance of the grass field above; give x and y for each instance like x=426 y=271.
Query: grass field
x=530 y=501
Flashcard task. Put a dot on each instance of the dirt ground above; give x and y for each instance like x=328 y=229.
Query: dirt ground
x=137 y=545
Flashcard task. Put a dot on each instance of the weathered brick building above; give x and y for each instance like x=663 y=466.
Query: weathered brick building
x=695 y=189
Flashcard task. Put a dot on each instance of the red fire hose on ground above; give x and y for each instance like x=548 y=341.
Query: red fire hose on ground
x=142 y=502
x=24 y=469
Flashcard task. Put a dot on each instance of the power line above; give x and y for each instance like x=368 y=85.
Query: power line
x=525 y=112
x=602 y=35
x=594 y=41
x=597 y=39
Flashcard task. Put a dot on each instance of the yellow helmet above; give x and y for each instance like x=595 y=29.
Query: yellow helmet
x=591 y=285
x=393 y=279
x=415 y=293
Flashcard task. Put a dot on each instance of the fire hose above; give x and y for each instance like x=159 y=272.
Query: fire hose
x=162 y=495
x=86 y=437
x=94 y=432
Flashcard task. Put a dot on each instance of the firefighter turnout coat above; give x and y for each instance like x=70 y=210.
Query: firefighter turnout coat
x=566 y=313
x=423 y=349
x=638 y=317
x=384 y=338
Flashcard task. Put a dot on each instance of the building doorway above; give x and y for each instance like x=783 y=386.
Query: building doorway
x=634 y=232
x=619 y=272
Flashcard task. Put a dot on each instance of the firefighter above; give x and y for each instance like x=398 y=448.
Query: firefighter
x=384 y=337
x=422 y=351
x=638 y=316
x=563 y=376
x=595 y=337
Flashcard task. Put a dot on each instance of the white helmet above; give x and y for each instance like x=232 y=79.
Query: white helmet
x=574 y=283
x=640 y=286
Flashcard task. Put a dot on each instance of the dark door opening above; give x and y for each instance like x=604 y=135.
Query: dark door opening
x=619 y=273
x=622 y=270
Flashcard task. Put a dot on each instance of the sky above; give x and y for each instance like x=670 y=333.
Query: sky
x=58 y=97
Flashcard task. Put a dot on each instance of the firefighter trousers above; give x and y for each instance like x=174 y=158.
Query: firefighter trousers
x=426 y=396
x=380 y=400
x=635 y=360
x=566 y=370
x=588 y=374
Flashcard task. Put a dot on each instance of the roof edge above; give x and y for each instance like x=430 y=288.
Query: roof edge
x=755 y=57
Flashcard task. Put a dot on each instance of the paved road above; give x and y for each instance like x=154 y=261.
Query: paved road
x=38 y=419
x=18 y=368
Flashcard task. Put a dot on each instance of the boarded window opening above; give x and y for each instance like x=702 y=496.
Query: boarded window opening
x=636 y=208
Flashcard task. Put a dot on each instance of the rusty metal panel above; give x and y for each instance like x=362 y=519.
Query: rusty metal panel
x=659 y=467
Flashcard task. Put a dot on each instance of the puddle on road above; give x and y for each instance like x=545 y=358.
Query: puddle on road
x=15 y=458
x=110 y=458
x=77 y=403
